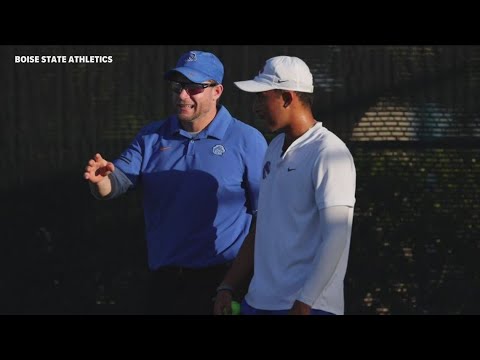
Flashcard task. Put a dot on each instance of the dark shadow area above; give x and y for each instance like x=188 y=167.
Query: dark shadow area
x=415 y=235
x=65 y=252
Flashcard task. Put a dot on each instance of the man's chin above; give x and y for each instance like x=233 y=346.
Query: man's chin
x=184 y=118
x=272 y=127
x=276 y=129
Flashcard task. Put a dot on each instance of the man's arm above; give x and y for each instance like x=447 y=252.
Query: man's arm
x=336 y=225
x=239 y=273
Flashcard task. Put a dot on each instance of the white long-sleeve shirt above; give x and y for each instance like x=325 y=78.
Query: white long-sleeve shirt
x=304 y=223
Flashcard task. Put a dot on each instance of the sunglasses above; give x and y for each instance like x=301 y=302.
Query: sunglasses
x=190 y=88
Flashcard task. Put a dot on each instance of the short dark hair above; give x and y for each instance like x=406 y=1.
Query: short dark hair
x=305 y=98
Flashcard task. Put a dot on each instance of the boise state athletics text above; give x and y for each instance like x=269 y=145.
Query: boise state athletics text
x=64 y=59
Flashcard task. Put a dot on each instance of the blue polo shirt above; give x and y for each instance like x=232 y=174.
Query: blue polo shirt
x=199 y=193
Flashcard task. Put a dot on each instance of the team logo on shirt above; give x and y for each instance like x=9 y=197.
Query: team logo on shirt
x=218 y=150
x=266 y=169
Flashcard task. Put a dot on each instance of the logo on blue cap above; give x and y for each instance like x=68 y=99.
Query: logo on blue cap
x=199 y=67
x=192 y=57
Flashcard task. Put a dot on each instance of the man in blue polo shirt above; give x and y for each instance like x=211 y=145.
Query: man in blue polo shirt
x=200 y=170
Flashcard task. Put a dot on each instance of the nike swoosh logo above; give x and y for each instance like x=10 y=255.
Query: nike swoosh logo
x=290 y=169
x=281 y=81
x=164 y=148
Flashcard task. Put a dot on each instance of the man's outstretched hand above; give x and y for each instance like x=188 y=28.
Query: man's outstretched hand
x=97 y=169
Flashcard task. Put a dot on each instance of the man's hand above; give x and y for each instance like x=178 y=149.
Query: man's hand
x=98 y=169
x=300 y=308
x=223 y=303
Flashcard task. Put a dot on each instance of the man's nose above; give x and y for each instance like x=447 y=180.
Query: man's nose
x=183 y=94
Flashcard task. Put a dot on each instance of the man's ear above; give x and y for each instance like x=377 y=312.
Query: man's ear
x=218 y=91
x=287 y=98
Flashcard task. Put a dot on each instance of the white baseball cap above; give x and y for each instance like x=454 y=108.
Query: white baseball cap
x=280 y=72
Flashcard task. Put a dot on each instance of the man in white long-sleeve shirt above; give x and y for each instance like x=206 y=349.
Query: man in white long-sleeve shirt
x=299 y=253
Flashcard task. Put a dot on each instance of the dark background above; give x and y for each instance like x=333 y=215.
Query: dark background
x=409 y=114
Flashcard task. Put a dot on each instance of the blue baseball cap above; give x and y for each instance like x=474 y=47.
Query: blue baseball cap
x=198 y=66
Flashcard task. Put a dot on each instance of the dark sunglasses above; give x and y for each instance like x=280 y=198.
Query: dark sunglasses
x=190 y=88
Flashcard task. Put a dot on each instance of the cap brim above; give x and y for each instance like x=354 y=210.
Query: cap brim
x=253 y=86
x=191 y=74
